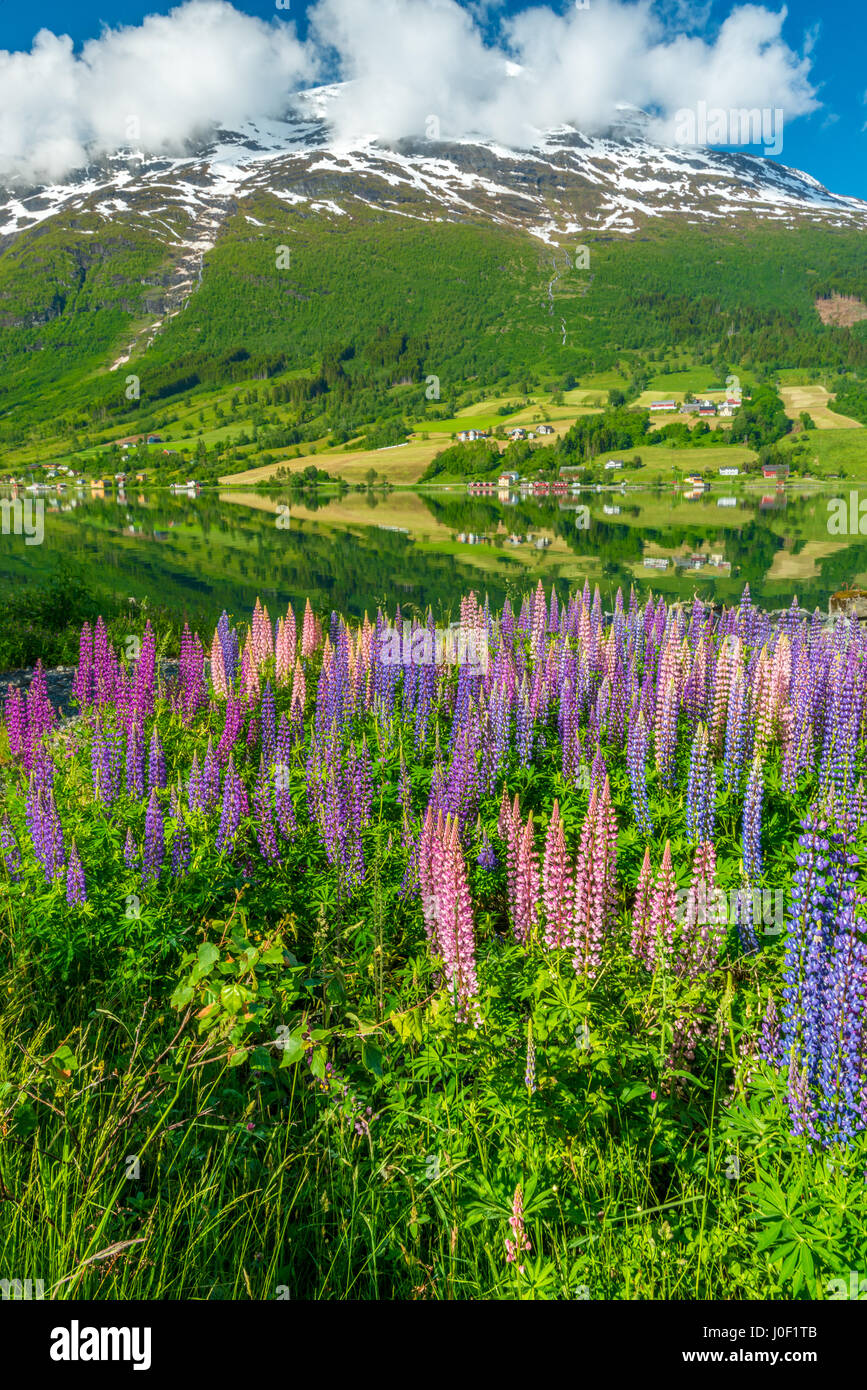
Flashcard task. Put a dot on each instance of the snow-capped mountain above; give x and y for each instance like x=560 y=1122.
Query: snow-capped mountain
x=565 y=184
x=567 y=188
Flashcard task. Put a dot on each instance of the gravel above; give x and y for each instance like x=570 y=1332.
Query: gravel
x=58 y=683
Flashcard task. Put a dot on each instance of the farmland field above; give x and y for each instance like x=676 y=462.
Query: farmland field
x=817 y=402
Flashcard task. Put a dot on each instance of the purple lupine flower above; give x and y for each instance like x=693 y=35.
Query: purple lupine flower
x=194 y=786
x=181 y=841
x=83 y=685
x=751 y=833
x=130 y=850
x=191 y=675
x=210 y=779
x=231 y=729
x=283 y=800
x=808 y=928
x=135 y=777
x=11 y=852
x=15 y=718
x=39 y=718
x=145 y=673
x=156 y=764
x=486 y=858
x=667 y=705
x=802 y=1113
x=264 y=821
x=269 y=726
x=638 y=742
x=76 y=892
x=233 y=807
x=43 y=822
x=229 y=647
x=841 y=1077
x=700 y=789
x=524 y=729
x=154 y=844
x=736 y=731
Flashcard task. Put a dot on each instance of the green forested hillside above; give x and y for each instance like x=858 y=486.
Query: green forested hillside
x=375 y=315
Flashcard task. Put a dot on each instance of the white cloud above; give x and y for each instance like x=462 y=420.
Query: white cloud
x=175 y=76
x=171 y=78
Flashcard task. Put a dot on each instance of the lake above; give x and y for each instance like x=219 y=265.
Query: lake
x=198 y=555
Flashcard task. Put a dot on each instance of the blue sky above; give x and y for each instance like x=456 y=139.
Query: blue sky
x=829 y=142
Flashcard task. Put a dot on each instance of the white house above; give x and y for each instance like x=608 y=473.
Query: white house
x=545 y=429
x=613 y=463
x=729 y=472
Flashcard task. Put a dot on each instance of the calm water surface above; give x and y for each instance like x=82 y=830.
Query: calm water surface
x=198 y=555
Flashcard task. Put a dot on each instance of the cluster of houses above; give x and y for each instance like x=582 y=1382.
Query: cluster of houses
x=725 y=408
x=688 y=562
x=467 y=436
x=471 y=538
x=133 y=439
x=511 y=486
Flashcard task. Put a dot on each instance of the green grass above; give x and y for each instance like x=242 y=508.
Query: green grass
x=248 y=1078
x=840 y=453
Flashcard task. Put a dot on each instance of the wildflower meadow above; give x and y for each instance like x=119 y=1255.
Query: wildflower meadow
x=352 y=962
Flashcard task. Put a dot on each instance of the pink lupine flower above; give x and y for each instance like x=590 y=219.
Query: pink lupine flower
x=453 y=912
x=525 y=899
x=508 y=828
x=557 y=886
x=762 y=713
x=728 y=662
x=425 y=874
x=663 y=912
x=311 y=633
x=530 y=1067
x=505 y=815
x=639 y=942
x=218 y=668
x=261 y=636
x=519 y=1242
x=284 y=651
x=704 y=921
x=595 y=882
x=539 y=620
x=249 y=671
x=299 y=693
